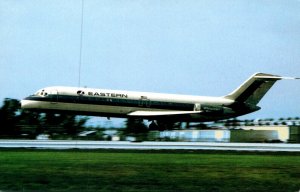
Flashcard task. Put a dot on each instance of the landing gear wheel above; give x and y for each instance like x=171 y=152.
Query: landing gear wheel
x=153 y=126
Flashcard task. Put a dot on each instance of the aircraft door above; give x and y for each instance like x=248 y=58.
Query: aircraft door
x=197 y=107
x=143 y=102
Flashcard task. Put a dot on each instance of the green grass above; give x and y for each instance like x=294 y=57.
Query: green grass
x=104 y=170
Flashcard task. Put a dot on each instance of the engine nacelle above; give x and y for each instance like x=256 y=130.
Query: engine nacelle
x=212 y=108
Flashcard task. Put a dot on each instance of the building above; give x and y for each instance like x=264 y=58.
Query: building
x=196 y=135
x=281 y=133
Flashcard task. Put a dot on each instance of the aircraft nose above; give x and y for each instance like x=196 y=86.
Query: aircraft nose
x=25 y=104
x=22 y=104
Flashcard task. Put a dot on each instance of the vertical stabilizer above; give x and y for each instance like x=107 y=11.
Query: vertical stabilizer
x=253 y=89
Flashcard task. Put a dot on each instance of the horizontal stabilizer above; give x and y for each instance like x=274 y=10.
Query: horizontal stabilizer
x=268 y=76
x=161 y=113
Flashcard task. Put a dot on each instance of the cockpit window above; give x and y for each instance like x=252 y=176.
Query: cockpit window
x=42 y=93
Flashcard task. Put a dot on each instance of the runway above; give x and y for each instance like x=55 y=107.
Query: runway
x=62 y=144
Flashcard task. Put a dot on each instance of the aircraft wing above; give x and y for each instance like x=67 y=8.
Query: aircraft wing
x=161 y=113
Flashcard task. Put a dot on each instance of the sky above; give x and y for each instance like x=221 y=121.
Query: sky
x=194 y=47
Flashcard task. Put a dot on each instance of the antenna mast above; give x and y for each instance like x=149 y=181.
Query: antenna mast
x=80 y=48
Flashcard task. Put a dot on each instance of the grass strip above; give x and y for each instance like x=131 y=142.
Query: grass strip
x=113 y=170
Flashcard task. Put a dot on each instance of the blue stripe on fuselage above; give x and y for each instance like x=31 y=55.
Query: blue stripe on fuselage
x=113 y=102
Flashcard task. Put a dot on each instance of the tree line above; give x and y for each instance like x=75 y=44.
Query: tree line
x=17 y=122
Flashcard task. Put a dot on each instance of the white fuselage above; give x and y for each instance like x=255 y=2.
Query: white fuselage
x=116 y=103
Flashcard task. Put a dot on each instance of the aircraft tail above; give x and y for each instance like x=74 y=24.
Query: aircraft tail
x=253 y=89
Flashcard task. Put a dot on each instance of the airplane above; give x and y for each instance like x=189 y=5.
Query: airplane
x=153 y=106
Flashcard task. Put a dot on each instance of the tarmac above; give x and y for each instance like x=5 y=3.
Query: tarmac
x=79 y=144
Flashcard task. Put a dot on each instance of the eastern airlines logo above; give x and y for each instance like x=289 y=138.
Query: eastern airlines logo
x=120 y=95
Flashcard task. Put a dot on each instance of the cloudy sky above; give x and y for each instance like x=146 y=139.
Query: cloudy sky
x=205 y=47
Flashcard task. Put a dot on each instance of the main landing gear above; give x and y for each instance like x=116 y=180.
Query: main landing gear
x=154 y=126
x=166 y=125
